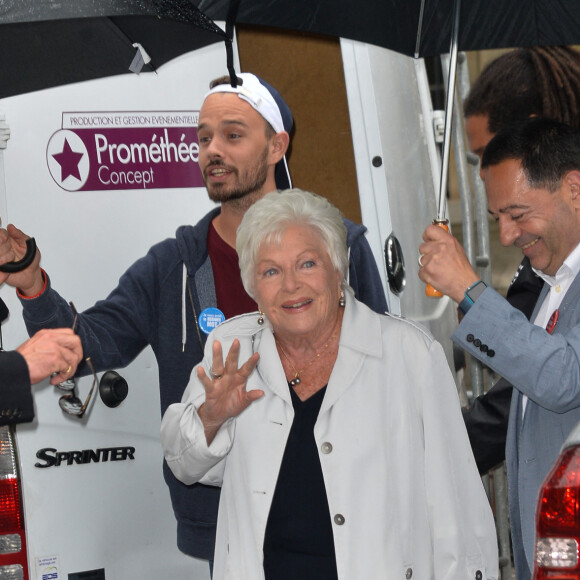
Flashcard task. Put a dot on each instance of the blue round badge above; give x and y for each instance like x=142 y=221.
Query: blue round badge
x=210 y=318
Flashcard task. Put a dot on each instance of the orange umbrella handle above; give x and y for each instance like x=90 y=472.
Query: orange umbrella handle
x=429 y=290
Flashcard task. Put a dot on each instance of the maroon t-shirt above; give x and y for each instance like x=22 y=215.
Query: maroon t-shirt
x=231 y=297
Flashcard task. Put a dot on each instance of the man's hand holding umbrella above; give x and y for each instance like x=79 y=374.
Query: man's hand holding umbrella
x=444 y=264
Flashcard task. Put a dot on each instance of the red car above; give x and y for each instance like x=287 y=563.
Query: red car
x=558 y=517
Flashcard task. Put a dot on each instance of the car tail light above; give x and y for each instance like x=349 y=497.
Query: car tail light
x=558 y=521
x=13 y=556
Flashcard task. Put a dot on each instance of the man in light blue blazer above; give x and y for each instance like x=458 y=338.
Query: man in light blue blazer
x=532 y=178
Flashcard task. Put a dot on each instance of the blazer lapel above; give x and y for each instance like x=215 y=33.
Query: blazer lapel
x=569 y=304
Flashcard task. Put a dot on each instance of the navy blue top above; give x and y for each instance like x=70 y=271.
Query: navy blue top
x=299 y=541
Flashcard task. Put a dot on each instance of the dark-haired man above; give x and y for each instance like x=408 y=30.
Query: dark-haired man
x=532 y=180
x=538 y=81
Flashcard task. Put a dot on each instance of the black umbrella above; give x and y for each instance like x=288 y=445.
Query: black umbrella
x=47 y=43
x=417 y=27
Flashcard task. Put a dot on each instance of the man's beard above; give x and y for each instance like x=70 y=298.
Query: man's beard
x=250 y=182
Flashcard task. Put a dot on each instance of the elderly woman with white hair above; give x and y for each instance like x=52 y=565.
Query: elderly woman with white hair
x=335 y=432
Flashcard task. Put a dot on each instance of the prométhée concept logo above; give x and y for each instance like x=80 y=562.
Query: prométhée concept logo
x=125 y=150
x=68 y=160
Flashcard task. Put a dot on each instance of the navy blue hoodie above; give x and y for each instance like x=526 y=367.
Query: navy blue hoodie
x=157 y=302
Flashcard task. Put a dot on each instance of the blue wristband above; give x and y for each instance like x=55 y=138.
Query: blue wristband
x=471 y=295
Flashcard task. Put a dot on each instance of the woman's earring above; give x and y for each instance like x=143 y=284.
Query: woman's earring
x=341 y=300
x=261 y=318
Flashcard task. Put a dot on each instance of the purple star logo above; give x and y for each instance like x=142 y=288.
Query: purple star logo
x=69 y=162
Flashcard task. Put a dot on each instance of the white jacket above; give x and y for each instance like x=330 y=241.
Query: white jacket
x=404 y=494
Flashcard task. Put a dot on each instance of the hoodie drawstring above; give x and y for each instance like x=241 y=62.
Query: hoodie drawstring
x=183 y=309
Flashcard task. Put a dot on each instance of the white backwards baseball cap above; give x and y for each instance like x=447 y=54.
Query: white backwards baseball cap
x=268 y=102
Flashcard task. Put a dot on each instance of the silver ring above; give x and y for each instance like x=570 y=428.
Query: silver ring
x=215 y=376
x=419 y=260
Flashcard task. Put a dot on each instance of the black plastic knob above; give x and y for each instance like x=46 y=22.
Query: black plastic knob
x=113 y=389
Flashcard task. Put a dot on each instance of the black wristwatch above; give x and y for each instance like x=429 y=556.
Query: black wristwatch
x=471 y=295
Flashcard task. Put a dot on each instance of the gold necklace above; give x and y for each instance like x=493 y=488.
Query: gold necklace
x=296 y=380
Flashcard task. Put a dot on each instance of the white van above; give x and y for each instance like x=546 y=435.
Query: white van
x=85 y=498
